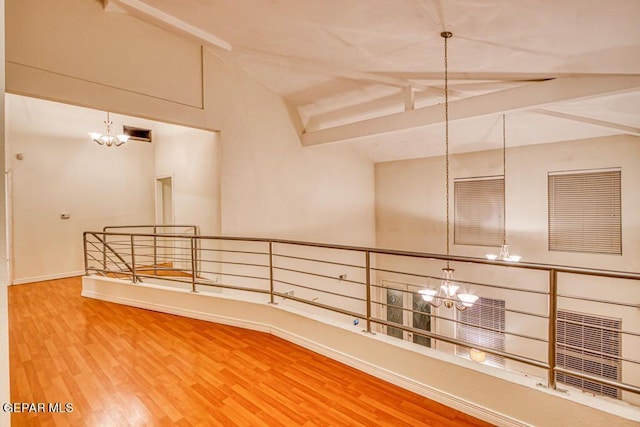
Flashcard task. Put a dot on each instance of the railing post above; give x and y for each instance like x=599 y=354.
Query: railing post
x=155 y=251
x=196 y=232
x=271 y=272
x=193 y=265
x=133 y=261
x=86 y=259
x=368 y=284
x=104 y=251
x=196 y=257
x=552 y=334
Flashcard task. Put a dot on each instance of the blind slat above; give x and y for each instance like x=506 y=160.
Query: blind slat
x=584 y=346
x=479 y=207
x=585 y=212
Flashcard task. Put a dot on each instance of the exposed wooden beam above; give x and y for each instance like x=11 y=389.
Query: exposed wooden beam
x=162 y=19
x=588 y=120
x=519 y=98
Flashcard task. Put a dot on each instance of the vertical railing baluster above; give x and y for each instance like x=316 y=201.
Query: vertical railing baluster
x=368 y=282
x=196 y=257
x=552 y=334
x=86 y=259
x=104 y=251
x=271 y=272
x=155 y=251
x=193 y=265
x=134 y=279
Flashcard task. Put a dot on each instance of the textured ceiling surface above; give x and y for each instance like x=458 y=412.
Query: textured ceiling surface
x=354 y=69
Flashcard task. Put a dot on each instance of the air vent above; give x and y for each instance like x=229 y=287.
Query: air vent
x=137 y=134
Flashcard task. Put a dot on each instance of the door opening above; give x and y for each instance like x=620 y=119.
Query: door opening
x=407 y=308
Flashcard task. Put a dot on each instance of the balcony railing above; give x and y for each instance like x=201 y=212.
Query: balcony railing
x=353 y=284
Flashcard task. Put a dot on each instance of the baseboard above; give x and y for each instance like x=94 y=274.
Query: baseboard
x=384 y=374
x=47 y=277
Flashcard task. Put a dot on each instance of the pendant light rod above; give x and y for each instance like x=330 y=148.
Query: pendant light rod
x=504 y=180
x=447 y=294
x=446 y=35
x=504 y=254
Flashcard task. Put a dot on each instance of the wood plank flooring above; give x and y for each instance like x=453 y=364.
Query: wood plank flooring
x=122 y=366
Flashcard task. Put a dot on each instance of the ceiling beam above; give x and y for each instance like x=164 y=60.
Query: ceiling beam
x=149 y=13
x=439 y=75
x=378 y=106
x=518 y=98
x=321 y=68
x=588 y=120
x=326 y=89
x=409 y=98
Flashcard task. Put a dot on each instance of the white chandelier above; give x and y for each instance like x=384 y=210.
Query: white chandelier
x=448 y=292
x=107 y=138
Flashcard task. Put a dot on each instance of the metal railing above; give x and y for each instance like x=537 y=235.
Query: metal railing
x=162 y=233
x=353 y=284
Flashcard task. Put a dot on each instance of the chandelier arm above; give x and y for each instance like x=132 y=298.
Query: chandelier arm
x=436 y=304
x=460 y=306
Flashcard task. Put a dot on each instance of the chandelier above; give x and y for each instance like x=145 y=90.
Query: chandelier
x=504 y=255
x=447 y=294
x=107 y=138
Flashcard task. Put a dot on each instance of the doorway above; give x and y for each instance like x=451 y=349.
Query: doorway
x=408 y=309
x=164 y=200
x=165 y=215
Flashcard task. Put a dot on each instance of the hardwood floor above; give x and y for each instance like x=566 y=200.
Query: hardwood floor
x=121 y=366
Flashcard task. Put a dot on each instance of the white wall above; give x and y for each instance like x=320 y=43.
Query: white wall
x=192 y=158
x=410 y=214
x=63 y=171
x=271 y=186
x=410 y=208
x=75 y=52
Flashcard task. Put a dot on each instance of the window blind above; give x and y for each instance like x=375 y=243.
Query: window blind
x=585 y=212
x=479 y=207
x=592 y=345
x=485 y=313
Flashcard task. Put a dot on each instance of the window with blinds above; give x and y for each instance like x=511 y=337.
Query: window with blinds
x=585 y=212
x=479 y=208
x=482 y=324
x=592 y=345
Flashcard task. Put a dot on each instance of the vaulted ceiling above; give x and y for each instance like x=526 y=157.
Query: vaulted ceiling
x=370 y=72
